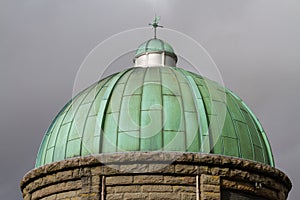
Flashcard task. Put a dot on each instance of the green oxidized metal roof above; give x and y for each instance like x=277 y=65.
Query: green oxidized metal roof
x=154 y=45
x=155 y=109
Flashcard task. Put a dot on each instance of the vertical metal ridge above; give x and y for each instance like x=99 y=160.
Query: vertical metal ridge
x=183 y=109
x=103 y=105
x=235 y=131
x=258 y=132
x=263 y=134
x=60 y=125
x=85 y=121
x=140 y=117
x=203 y=123
x=235 y=99
x=204 y=107
x=162 y=112
x=47 y=136
x=121 y=101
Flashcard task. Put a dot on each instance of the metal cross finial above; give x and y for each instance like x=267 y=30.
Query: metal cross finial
x=155 y=25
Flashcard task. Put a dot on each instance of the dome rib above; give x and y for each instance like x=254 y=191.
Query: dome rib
x=178 y=82
x=41 y=158
x=78 y=123
x=104 y=105
x=235 y=130
x=197 y=97
x=141 y=109
x=246 y=133
x=265 y=142
x=85 y=149
x=109 y=112
x=155 y=109
x=207 y=139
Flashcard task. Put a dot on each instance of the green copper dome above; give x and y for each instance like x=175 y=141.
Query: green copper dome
x=154 y=45
x=155 y=109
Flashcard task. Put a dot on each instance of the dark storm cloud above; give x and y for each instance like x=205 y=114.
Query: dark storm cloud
x=255 y=43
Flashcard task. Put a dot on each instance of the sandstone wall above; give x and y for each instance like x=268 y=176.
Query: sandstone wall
x=154 y=175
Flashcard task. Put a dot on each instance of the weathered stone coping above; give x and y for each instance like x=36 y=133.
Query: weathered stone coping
x=147 y=159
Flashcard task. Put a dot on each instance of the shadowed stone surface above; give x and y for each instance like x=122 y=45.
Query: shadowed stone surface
x=155 y=175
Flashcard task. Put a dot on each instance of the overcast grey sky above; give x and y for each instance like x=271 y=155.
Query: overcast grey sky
x=255 y=44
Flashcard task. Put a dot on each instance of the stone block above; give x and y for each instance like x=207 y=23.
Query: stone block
x=72 y=185
x=210 y=188
x=210 y=196
x=134 y=168
x=110 y=189
x=228 y=184
x=144 y=179
x=90 y=196
x=135 y=196
x=185 y=169
x=164 y=196
x=65 y=195
x=161 y=168
x=49 y=179
x=110 y=169
x=97 y=170
x=96 y=180
x=157 y=188
x=117 y=180
x=51 y=197
x=212 y=180
x=188 y=196
x=76 y=173
x=190 y=180
x=184 y=188
x=114 y=197
x=128 y=188
x=64 y=175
